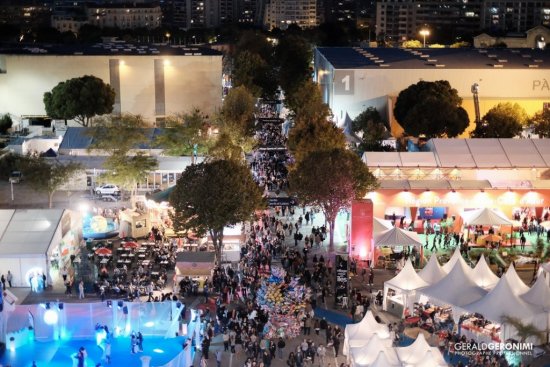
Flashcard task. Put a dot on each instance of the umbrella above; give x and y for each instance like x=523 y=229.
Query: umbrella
x=491 y=238
x=103 y=251
x=130 y=244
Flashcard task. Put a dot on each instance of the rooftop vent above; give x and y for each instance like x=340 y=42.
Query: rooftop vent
x=382 y=61
x=439 y=65
x=384 y=65
x=533 y=65
x=482 y=51
x=537 y=60
x=492 y=55
x=425 y=56
x=526 y=56
x=502 y=60
x=497 y=65
x=432 y=60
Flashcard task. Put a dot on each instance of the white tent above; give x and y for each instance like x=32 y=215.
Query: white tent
x=384 y=361
x=457 y=256
x=539 y=294
x=518 y=286
x=420 y=352
x=503 y=301
x=366 y=354
x=397 y=237
x=432 y=272
x=485 y=216
x=456 y=289
x=406 y=283
x=358 y=334
x=483 y=275
x=380 y=225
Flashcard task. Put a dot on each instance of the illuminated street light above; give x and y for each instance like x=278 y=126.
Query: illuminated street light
x=424 y=33
x=168 y=37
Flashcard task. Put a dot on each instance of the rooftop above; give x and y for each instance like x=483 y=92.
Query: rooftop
x=106 y=49
x=445 y=58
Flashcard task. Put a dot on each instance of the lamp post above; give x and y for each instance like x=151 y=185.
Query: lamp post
x=424 y=33
x=168 y=37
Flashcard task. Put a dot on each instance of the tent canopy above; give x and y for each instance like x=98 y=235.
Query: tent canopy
x=397 y=237
x=501 y=301
x=432 y=272
x=380 y=225
x=367 y=353
x=384 y=361
x=407 y=279
x=366 y=328
x=483 y=275
x=457 y=257
x=539 y=294
x=518 y=286
x=485 y=216
x=457 y=288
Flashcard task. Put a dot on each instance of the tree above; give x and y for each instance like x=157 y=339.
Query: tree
x=523 y=330
x=306 y=103
x=253 y=72
x=309 y=136
x=119 y=137
x=235 y=124
x=368 y=125
x=5 y=123
x=127 y=170
x=331 y=179
x=79 y=99
x=431 y=108
x=212 y=195
x=47 y=176
x=294 y=55
x=541 y=123
x=412 y=44
x=505 y=120
x=185 y=134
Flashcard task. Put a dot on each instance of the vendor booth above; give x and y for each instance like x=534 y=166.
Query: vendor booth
x=357 y=335
x=134 y=224
x=399 y=292
x=233 y=238
x=432 y=272
x=195 y=264
x=483 y=275
x=35 y=241
x=366 y=354
x=420 y=353
x=486 y=217
x=385 y=244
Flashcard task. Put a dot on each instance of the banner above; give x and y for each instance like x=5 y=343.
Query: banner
x=284 y=201
x=342 y=277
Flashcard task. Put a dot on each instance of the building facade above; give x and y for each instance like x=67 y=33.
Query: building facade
x=152 y=81
x=125 y=16
x=282 y=13
x=353 y=79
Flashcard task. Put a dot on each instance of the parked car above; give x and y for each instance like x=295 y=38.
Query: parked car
x=16 y=177
x=107 y=189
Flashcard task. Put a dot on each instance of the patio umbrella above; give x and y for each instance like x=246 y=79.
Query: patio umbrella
x=130 y=244
x=103 y=251
x=491 y=238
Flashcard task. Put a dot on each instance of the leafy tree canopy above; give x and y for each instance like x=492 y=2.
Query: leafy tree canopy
x=253 y=72
x=331 y=179
x=47 y=175
x=541 y=123
x=183 y=132
x=255 y=43
x=294 y=55
x=505 y=120
x=370 y=128
x=431 y=108
x=212 y=195
x=80 y=99
x=306 y=103
x=412 y=44
x=5 y=123
x=118 y=134
x=127 y=170
x=309 y=136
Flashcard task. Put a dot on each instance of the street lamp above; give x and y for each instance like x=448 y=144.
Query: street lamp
x=424 y=33
x=168 y=37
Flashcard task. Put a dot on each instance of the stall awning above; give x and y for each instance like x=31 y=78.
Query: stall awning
x=522 y=153
x=470 y=184
x=488 y=153
x=198 y=263
x=429 y=184
x=418 y=159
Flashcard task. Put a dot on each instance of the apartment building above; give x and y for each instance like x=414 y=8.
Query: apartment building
x=282 y=13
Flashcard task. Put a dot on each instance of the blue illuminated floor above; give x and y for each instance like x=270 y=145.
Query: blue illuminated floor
x=54 y=354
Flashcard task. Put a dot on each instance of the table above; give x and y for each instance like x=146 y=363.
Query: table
x=141 y=256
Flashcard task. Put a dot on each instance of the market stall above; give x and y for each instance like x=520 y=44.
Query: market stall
x=391 y=239
x=399 y=292
x=432 y=272
x=501 y=301
x=485 y=217
x=358 y=334
x=518 y=286
x=483 y=275
x=419 y=353
x=380 y=225
x=365 y=355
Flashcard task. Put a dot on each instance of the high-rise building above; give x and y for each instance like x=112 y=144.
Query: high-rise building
x=125 y=16
x=282 y=13
x=400 y=20
x=26 y=13
x=514 y=16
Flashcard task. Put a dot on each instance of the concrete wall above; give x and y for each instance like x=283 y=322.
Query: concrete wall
x=190 y=81
x=378 y=87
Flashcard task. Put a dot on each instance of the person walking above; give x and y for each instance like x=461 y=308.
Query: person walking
x=81 y=290
x=107 y=351
x=219 y=355
x=280 y=347
x=3 y=280
x=321 y=352
x=9 y=278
